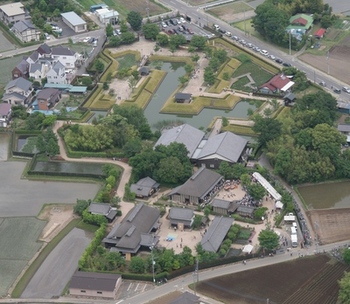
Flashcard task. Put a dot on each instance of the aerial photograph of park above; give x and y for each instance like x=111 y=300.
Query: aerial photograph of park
x=175 y=151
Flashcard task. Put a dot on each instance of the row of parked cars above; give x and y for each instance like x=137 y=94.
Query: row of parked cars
x=176 y=26
x=171 y=22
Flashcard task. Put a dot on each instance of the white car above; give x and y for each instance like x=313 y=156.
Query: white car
x=182 y=20
x=164 y=24
x=346 y=89
x=264 y=52
x=86 y=39
x=272 y=57
x=47 y=36
x=228 y=34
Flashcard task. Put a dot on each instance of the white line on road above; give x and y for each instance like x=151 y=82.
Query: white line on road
x=119 y=301
x=129 y=286
x=144 y=287
x=137 y=286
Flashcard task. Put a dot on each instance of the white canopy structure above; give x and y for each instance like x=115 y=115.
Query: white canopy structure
x=279 y=205
x=267 y=186
x=248 y=248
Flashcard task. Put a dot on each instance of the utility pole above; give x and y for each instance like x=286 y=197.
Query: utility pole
x=153 y=262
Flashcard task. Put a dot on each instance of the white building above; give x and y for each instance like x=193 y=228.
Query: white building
x=12 y=12
x=107 y=16
x=77 y=24
x=26 y=31
x=57 y=74
x=66 y=56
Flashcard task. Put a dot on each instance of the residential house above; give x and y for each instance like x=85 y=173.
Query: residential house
x=181 y=217
x=289 y=98
x=199 y=188
x=299 y=25
x=134 y=231
x=5 y=114
x=57 y=74
x=343 y=107
x=216 y=233
x=47 y=98
x=38 y=71
x=33 y=58
x=21 y=70
x=224 y=207
x=94 y=284
x=107 y=16
x=278 y=84
x=94 y=8
x=183 y=97
x=103 y=209
x=77 y=24
x=18 y=91
x=12 y=13
x=44 y=50
x=246 y=211
x=345 y=129
x=225 y=146
x=186 y=298
x=184 y=134
x=145 y=187
x=26 y=31
x=66 y=56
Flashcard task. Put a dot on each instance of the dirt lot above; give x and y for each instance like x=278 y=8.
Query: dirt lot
x=307 y=280
x=233 y=12
x=337 y=63
x=333 y=224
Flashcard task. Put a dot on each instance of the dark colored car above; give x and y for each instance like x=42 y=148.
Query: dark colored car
x=222 y=31
x=278 y=60
x=286 y=64
x=336 y=90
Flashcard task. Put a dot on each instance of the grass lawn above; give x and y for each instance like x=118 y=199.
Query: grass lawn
x=238 y=129
x=70 y=101
x=126 y=61
x=6 y=66
x=259 y=75
x=240 y=85
x=18 y=239
x=229 y=9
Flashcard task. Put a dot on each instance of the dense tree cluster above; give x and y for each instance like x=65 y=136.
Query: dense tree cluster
x=166 y=164
x=303 y=145
x=47 y=142
x=218 y=57
x=268 y=239
x=135 y=20
x=344 y=289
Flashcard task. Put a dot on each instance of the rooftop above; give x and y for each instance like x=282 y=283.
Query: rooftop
x=181 y=214
x=13 y=9
x=73 y=18
x=94 y=281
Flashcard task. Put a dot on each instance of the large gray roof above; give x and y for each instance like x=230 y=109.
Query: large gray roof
x=62 y=51
x=94 y=281
x=73 y=18
x=22 y=26
x=227 y=146
x=344 y=128
x=181 y=214
x=216 y=233
x=184 y=134
x=199 y=184
x=35 y=67
x=219 y=203
x=144 y=186
x=5 y=108
x=127 y=235
x=20 y=82
x=99 y=208
x=23 y=66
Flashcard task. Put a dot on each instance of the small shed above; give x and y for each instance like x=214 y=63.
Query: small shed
x=103 y=209
x=144 y=71
x=77 y=24
x=183 y=97
x=145 y=187
x=343 y=107
x=224 y=207
x=289 y=98
x=246 y=211
x=320 y=33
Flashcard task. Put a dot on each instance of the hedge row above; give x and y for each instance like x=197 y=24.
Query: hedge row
x=97 y=91
x=112 y=67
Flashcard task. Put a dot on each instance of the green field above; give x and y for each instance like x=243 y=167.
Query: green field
x=226 y=12
x=126 y=61
x=18 y=239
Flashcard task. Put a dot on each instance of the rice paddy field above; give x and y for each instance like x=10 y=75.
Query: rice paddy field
x=18 y=239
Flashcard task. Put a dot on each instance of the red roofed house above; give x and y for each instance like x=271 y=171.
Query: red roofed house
x=277 y=84
x=299 y=21
x=320 y=33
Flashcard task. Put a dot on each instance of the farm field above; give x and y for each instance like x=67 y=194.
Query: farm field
x=5 y=45
x=232 y=12
x=308 y=280
x=6 y=67
x=123 y=7
x=18 y=239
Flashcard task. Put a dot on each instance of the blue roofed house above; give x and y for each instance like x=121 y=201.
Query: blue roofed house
x=184 y=134
x=216 y=233
x=225 y=146
x=77 y=24
x=18 y=92
x=26 y=31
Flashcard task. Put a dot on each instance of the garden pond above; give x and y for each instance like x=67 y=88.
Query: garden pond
x=68 y=167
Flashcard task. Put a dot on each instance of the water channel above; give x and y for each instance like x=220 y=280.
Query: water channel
x=69 y=167
x=203 y=119
x=327 y=195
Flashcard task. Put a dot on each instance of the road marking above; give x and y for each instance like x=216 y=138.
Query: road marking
x=144 y=287
x=129 y=286
x=119 y=301
x=137 y=286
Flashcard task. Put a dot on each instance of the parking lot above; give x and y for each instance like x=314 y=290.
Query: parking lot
x=131 y=288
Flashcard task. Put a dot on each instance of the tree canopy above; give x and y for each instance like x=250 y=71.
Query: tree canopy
x=135 y=20
x=268 y=239
x=150 y=30
x=344 y=289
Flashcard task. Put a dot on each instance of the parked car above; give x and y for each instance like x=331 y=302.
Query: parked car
x=286 y=64
x=86 y=39
x=279 y=60
x=176 y=31
x=47 y=36
x=235 y=38
x=190 y=31
x=182 y=20
x=272 y=57
x=336 y=90
x=346 y=89
x=180 y=28
x=322 y=84
x=249 y=45
x=264 y=52
x=228 y=34
x=216 y=27
x=170 y=32
x=222 y=31
x=164 y=24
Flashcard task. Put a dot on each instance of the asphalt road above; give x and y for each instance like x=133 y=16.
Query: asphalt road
x=200 y=17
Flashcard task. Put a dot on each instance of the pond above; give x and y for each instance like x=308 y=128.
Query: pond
x=97 y=115
x=4 y=146
x=69 y=167
x=27 y=144
x=327 y=195
x=203 y=119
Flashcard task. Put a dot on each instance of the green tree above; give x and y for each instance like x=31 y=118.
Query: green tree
x=109 y=30
x=137 y=265
x=267 y=129
x=189 y=68
x=183 y=79
x=99 y=66
x=128 y=37
x=268 y=239
x=256 y=191
x=80 y=206
x=326 y=21
x=197 y=222
x=346 y=256
x=195 y=58
x=162 y=39
x=135 y=20
x=199 y=42
x=260 y=212
x=344 y=289
x=209 y=76
x=132 y=147
x=115 y=41
x=150 y=30
x=86 y=81
x=177 y=40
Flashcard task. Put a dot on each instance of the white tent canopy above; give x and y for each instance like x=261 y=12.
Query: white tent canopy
x=279 y=205
x=267 y=186
x=248 y=248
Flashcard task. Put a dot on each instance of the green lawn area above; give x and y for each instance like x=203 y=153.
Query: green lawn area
x=126 y=61
x=6 y=67
x=240 y=84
